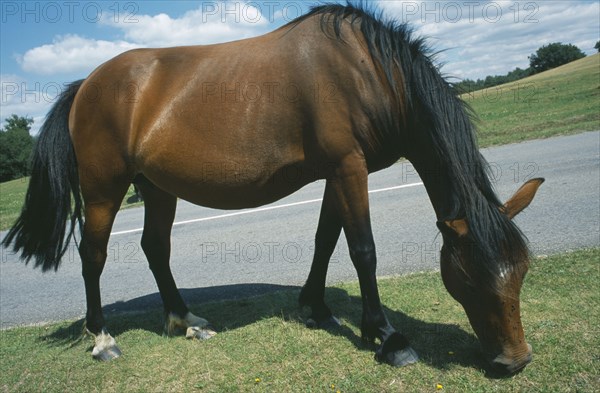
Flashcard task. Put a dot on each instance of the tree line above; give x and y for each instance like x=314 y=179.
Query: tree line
x=545 y=58
x=16 y=142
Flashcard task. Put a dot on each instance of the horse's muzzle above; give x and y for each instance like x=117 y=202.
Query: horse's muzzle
x=508 y=366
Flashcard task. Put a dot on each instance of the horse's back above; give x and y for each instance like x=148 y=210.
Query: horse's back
x=235 y=118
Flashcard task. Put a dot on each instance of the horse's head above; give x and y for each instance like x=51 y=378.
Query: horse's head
x=492 y=307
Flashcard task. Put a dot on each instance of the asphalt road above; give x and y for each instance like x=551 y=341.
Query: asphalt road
x=218 y=254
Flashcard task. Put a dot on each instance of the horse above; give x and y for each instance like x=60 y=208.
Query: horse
x=335 y=94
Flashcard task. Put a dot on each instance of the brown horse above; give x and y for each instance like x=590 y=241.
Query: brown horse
x=335 y=95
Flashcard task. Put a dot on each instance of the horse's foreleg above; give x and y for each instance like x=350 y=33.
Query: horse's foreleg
x=352 y=199
x=159 y=207
x=99 y=218
x=313 y=292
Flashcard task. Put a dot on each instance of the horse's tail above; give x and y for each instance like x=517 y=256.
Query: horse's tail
x=39 y=232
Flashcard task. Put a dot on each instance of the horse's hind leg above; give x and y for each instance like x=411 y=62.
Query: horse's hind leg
x=99 y=218
x=313 y=292
x=159 y=207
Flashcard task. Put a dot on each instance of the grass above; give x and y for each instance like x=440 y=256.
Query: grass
x=561 y=101
x=12 y=196
x=263 y=337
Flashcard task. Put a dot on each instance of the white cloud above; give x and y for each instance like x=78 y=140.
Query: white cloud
x=26 y=98
x=222 y=23
x=487 y=38
x=71 y=54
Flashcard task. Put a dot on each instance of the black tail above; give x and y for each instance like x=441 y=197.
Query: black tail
x=40 y=230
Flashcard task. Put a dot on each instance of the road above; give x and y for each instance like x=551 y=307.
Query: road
x=233 y=254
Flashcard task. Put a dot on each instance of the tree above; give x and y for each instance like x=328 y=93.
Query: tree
x=469 y=86
x=597 y=46
x=518 y=73
x=16 y=145
x=554 y=55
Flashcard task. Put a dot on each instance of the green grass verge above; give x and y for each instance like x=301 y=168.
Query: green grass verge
x=561 y=101
x=12 y=196
x=263 y=337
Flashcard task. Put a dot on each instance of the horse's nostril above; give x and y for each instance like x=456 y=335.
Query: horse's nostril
x=509 y=365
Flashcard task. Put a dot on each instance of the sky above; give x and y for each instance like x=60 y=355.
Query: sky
x=45 y=44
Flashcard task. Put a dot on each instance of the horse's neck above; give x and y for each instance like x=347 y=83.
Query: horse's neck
x=438 y=184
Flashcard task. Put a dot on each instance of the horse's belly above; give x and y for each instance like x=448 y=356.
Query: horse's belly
x=237 y=198
x=230 y=187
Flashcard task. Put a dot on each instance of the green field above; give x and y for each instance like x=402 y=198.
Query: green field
x=561 y=101
x=12 y=196
x=264 y=347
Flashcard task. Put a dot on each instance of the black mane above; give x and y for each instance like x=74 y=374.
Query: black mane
x=449 y=123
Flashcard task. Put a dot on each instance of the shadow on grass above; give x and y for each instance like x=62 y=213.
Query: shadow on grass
x=146 y=313
x=234 y=306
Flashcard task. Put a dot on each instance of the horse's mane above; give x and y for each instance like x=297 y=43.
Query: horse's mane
x=448 y=122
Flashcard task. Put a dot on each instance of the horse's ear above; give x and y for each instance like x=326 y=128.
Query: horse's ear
x=522 y=197
x=459 y=227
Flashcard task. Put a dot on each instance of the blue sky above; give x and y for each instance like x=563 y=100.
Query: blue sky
x=46 y=44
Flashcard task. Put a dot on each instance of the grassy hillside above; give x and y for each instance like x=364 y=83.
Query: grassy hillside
x=561 y=101
x=264 y=347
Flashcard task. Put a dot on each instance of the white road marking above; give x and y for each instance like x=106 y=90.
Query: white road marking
x=263 y=209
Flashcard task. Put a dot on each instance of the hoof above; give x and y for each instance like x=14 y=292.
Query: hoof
x=174 y=324
x=106 y=354
x=326 y=324
x=396 y=351
x=105 y=348
x=195 y=332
